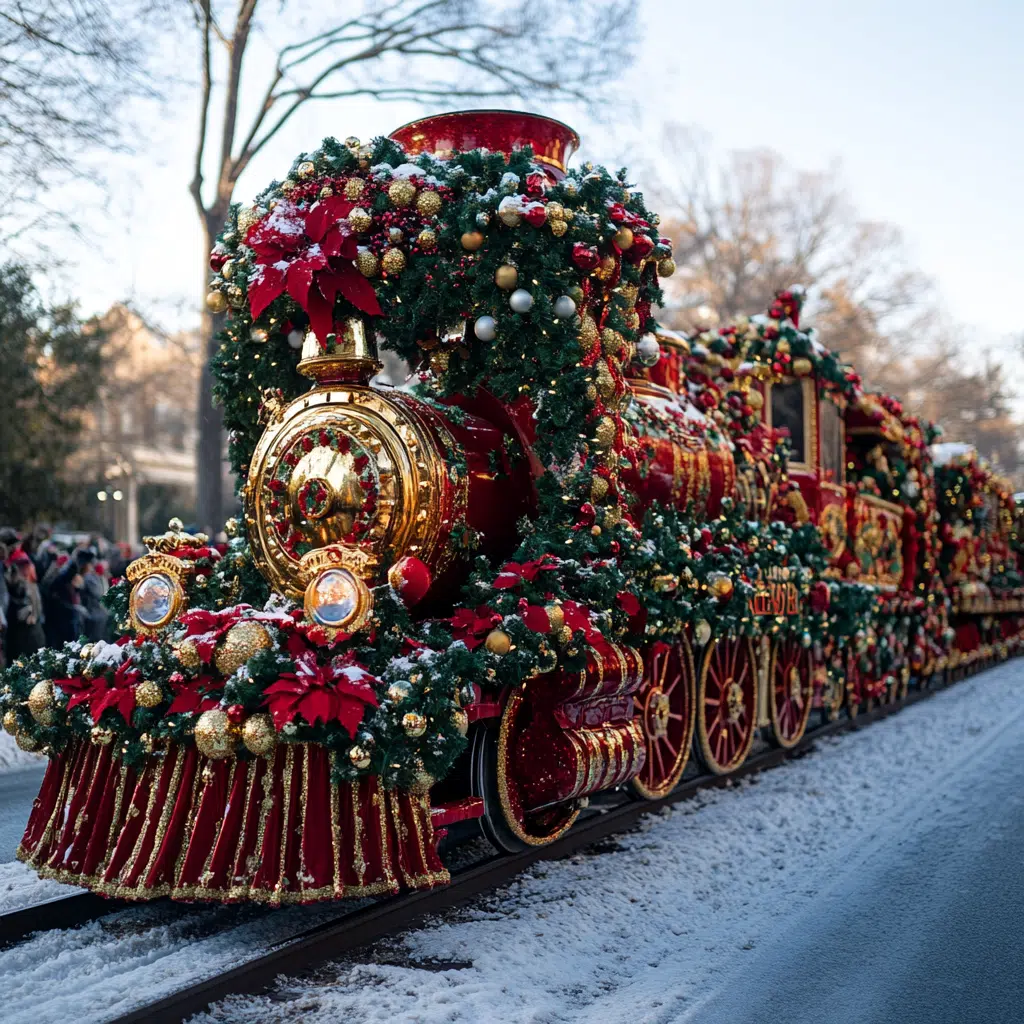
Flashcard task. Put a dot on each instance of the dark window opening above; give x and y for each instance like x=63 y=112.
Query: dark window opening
x=788 y=411
x=833 y=457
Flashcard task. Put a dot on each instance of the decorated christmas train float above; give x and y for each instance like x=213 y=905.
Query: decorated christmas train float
x=571 y=549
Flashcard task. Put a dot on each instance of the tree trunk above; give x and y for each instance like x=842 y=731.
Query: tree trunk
x=210 y=420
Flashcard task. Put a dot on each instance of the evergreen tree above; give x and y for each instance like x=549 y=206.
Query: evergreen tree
x=52 y=366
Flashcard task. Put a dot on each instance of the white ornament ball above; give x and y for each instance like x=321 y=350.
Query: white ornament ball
x=565 y=307
x=648 y=351
x=295 y=339
x=521 y=301
x=485 y=328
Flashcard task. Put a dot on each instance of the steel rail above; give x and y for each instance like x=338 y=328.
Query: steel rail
x=388 y=916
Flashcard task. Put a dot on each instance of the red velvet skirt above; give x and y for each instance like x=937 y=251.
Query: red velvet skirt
x=274 y=831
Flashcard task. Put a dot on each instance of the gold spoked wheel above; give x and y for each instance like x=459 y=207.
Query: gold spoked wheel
x=726 y=704
x=791 y=693
x=665 y=704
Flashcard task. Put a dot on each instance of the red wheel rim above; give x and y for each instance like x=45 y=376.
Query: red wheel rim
x=792 y=690
x=665 y=704
x=727 y=704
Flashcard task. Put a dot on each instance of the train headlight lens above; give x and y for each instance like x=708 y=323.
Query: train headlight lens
x=337 y=599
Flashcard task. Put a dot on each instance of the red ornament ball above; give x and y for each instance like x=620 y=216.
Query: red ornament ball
x=411 y=579
x=536 y=215
x=236 y=714
x=586 y=257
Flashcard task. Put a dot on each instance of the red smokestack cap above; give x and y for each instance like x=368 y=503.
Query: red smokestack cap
x=498 y=130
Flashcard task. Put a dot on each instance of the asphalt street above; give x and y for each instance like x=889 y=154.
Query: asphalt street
x=925 y=924
x=17 y=791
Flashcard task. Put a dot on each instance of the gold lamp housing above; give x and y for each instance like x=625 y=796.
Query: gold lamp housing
x=158 y=594
x=345 y=475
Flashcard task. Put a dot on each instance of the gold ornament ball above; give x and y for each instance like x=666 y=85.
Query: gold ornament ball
x=326 y=192
x=720 y=586
x=216 y=302
x=148 y=694
x=101 y=735
x=498 y=642
x=782 y=346
x=604 y=433
x=228 y=269
x=506 y=277
x=598 y=488
x=427 y=239
x=359 y=220
x=472 y=240
x=666 y=267
x=399 y=690
x=461 y=721
x=611 y=342
x=588 y=333
x=305 y=169
x=354 y=188
x=40 y=703
x=11 y=722
x=556 y=616
x=401 y=193
x=187 y=654
x=259 y=734
x=26 y=742
x=802 y=366
x=243 y=640
x=414 y=724
x=214 y=735
x=428 y=204
x=393 y=261
x=352 y=142
x=359 y=757
x=367 y=263
x=754 y=399
x=236 y=297
x=555 y=211
x=702 y=632
x=246 y=219
x=624 y=238
x=559 y=228
x=606 y=269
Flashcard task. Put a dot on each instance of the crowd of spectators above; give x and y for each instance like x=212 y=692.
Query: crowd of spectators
x=51 y=591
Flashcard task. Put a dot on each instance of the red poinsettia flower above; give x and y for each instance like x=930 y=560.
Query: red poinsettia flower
x=309 y=254
x=102 y=693
x=337 y=692
x=472 y=626
x=196 y=695
x=513 y=573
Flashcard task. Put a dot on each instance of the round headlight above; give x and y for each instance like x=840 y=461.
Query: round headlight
x=155 y=600
x=337 y=599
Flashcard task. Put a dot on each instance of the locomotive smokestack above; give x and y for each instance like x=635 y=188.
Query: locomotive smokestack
x=348 y=356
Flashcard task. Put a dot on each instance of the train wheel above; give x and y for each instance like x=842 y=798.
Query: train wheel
x=791 y=691
x=505 y=823
x=665 y=704
x=726 y=704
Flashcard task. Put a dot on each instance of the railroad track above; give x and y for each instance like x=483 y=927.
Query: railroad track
x=357 y=928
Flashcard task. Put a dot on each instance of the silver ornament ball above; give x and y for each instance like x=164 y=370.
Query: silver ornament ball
x=521 y=301
x=564 y=307
x=485 y=328
x=648 y=351
x=295 y=339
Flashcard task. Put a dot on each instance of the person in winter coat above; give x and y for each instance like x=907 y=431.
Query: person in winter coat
x=25 y=609
x=94 y=586
x=5 y=600
x=64 y=613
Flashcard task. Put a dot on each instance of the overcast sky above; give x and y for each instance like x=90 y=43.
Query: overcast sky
x=920 y=102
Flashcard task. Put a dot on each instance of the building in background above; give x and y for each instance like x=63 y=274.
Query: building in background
x=138 y=452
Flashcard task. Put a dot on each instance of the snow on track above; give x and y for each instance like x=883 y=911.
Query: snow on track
x=647 y=931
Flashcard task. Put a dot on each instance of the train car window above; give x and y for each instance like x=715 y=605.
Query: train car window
x=833 y=455
x=788 y=411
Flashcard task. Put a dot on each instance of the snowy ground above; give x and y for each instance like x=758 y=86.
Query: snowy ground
x=660 y=928
x=13 y=758
x=655 y=926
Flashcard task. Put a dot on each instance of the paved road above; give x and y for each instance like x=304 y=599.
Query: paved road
x=925 y=925
x=17 y=791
